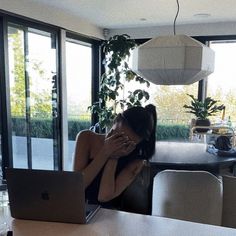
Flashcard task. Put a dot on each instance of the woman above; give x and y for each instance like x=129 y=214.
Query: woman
x=111 y=162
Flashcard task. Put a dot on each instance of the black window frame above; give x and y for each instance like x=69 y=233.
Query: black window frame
x=60 y=34
x=202 y=89
x=96 y=66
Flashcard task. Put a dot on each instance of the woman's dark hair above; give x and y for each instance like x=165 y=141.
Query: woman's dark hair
x=142 y=120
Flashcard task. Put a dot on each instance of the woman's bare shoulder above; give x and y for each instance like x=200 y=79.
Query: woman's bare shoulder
x=90 y=142
x=87 y=135
x=84 y=133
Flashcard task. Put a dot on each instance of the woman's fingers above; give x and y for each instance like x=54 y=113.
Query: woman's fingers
x=125 y=148
x=130 y=146
x=118 y=138
x=119 y=144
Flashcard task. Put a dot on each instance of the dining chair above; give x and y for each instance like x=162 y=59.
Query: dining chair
x=188 y=195
x=229 y=202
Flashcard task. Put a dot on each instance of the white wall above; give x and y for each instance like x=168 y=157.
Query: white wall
x=52 y=16
x=226 y=28
x=75 y=23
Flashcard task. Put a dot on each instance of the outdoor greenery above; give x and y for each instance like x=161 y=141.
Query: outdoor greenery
x=114 y=95
x=203 y=109
x=42 y=128
x=113 y=81
x=18 y=88
x=170 y=100
x=172 y=132
x=39 y=105
x=228 y=98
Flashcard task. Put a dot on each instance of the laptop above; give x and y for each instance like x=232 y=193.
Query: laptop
x=48 y=195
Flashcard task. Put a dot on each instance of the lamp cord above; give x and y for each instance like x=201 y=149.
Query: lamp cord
x=177 y=1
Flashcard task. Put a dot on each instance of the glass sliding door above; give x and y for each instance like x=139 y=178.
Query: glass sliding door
x=79 y=91
x=33 y=97
x=221 y=84
x=18 y=95
x=1 y=165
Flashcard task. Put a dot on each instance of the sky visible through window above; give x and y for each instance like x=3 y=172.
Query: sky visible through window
x=224 y=75
x=222 y=82
x=78 y=76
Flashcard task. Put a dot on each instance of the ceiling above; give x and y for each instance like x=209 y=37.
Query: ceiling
x=120 y=14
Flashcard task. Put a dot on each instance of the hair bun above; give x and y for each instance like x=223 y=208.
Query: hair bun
x=151 y=108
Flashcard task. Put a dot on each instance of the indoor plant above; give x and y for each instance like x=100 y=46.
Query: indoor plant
x=117 y=73
x=203 y=110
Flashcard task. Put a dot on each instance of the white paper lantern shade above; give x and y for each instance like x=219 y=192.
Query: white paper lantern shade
x=173 y=60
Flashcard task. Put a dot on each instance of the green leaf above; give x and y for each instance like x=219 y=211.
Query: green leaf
x=117 y=51
x=203 y=109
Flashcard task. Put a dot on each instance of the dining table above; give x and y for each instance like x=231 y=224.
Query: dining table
x=190 y=156
x=117 y=223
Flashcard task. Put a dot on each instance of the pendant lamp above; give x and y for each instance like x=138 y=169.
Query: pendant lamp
x=173 y=59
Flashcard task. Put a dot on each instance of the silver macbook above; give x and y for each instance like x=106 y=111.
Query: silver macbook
x=48 y=196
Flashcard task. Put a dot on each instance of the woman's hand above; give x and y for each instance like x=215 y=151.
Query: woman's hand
x=117 y=144
x=127 y=148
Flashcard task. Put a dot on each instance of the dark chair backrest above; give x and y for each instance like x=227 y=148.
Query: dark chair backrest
x=229 y=202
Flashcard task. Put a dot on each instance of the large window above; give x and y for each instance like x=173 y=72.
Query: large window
x=79 y=91
x=221 y=84
x=170 y=101
x=0 y=150
x=173 y=121
x=33 y=100
x=46 y=77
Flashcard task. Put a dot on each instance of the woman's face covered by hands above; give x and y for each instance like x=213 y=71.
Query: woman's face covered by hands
x=121 y=140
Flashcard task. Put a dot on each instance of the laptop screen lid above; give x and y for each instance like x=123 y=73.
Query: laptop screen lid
x=47 y=195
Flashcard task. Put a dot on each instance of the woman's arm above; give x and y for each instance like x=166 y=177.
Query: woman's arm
x=84 y=145
x=111 y=187
x=82 y=154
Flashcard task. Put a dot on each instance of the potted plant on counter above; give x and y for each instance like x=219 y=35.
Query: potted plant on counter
x=203 y=110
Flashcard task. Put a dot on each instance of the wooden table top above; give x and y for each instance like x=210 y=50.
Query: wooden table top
x=117 y=223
